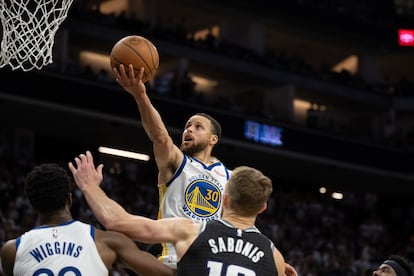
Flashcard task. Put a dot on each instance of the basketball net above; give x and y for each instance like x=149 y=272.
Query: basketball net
x=29 y=28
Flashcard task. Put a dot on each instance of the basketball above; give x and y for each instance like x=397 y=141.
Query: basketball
x=138 y=51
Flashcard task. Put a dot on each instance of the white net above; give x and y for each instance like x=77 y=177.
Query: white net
x=29 y=28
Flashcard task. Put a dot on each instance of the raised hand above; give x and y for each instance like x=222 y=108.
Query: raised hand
x=84 y=173
x=125 y=76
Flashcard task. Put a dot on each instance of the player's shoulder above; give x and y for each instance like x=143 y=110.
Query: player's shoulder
x=8 y=244
x=8 y=256
x=8 y=249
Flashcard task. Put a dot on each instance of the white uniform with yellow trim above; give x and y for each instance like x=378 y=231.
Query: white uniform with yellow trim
x=65 y=249
x=195 y=191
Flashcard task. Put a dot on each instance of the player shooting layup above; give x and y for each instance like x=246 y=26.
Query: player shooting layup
x=190 y=180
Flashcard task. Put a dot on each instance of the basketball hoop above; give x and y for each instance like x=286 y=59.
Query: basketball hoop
x=29 y=28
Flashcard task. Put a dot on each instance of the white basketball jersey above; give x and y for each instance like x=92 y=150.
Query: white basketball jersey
x=195 y=191
x=66 y=249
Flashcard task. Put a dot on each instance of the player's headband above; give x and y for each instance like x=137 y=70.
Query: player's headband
x=399 y=270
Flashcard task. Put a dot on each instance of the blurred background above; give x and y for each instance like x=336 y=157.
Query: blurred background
x=319 y=95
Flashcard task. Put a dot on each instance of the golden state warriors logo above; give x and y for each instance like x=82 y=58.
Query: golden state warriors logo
x=202 y=198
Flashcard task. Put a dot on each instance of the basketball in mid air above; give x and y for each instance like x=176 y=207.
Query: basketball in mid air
x=138 y=51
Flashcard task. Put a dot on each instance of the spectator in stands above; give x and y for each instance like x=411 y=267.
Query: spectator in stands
x=395 y=265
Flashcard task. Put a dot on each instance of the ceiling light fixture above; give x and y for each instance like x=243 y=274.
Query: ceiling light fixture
x=124 y=153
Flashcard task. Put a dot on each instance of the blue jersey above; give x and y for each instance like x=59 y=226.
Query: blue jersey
x=65 y=249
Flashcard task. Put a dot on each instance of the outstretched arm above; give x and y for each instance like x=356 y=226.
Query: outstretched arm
x=114 y=217
x=167 y=155
x=88 y=180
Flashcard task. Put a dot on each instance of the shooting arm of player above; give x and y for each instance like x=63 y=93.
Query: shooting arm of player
x=8 y=256
x=168 y=156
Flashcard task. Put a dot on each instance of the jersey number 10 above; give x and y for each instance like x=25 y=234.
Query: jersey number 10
x=232 y=270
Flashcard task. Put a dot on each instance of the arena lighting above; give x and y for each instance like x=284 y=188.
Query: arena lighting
x=406 y=37
x=124 y=153
x=350 y=64
x=337 y=195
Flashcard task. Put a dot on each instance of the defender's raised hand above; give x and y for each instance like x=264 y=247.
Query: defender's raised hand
x=84 y=172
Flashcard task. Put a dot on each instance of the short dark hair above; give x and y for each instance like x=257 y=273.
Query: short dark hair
x=47 y=186
x=216 y=125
